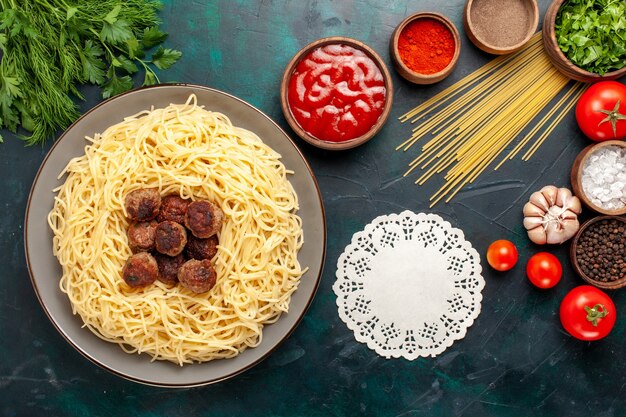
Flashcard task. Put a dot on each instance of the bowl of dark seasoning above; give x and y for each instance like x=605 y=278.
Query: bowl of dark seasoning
x=500 y=26
x=598 y=252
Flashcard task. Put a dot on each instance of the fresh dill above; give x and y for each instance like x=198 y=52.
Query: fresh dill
x=49 y=47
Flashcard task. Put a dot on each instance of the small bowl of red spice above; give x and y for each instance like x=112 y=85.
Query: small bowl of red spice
x=425 y=47
x=336 y=93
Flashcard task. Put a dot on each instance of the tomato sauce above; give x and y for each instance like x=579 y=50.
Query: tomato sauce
x=336 y=93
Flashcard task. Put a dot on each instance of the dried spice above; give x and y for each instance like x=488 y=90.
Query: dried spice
x=501 y=23
x=601 y=251
x=426 y=46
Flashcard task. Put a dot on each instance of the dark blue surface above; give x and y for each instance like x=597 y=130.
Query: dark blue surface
x=515 y=360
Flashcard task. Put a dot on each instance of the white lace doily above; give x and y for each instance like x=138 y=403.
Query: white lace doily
x=409 y=285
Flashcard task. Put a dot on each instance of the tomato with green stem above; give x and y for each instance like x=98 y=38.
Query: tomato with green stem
x=587 y=313
x=601 y=111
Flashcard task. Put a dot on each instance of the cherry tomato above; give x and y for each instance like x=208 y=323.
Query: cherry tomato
x=544 y=270
x=502 y=255
x=587 y=313
x=601 y=111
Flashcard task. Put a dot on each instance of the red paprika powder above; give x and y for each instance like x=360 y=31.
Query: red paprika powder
x=426 y=46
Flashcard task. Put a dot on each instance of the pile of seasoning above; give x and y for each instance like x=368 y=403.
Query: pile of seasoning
x=601 y=250
x=426 y=46
x=604 y=177
x=336 y=93
x=500 y=23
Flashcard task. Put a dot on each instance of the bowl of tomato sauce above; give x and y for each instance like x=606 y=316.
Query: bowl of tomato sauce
x=336 y=93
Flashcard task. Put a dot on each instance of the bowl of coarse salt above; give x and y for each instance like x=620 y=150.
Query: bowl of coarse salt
x=599 y=177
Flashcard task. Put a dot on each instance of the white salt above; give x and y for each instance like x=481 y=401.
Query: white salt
x=604 y=178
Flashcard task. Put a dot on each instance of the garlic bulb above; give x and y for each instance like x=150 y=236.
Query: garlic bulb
x=551 y=215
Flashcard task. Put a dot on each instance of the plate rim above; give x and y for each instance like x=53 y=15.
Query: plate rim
x=209 y=381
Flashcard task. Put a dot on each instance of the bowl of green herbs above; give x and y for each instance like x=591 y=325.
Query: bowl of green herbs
x=586 y=39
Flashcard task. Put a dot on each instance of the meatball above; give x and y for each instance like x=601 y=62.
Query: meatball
x=203 y=218
x=201 y=248
x=173 y=208
x=197 y=276
x=141 y=236
x=143 y=204
x=168 y=267
x=140 y=270
x=170 y=238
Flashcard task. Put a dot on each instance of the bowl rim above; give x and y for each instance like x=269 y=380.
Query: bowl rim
x=577 y=174
x=500 y=49
x=350 y=143
x=610 y=285
x=427 y=15
x=549 y=39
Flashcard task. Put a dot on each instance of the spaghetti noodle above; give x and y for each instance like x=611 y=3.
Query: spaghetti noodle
x=197 y=154
x=473 y=121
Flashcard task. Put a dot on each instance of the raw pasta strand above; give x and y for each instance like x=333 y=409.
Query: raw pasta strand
x=571 y=95
x=449 y=116
x=456 y=88
x=572 y=102
x=472 y=122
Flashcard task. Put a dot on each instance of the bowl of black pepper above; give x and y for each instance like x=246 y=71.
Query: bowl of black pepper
x=598 y=252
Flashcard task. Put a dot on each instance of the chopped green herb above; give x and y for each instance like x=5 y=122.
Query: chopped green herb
x=592 y=34
x=165 y=58
x=48 y=47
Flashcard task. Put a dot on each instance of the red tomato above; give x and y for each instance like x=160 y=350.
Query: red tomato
x=544 y=270
x=601 y=111
x=502 y=255
x=587 y=313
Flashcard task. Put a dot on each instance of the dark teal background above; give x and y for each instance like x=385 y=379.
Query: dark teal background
x=515 y=360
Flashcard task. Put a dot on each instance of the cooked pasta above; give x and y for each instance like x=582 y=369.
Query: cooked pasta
x=197 y=154
x=473 y=121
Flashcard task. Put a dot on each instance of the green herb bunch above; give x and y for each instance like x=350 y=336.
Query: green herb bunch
x=592 y=34
x=49 y=47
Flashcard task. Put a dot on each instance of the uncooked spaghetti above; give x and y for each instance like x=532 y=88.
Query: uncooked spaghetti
x=473 y=121
x=197 y=154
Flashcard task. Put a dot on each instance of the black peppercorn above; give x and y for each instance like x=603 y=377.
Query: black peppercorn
x=601 y=252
